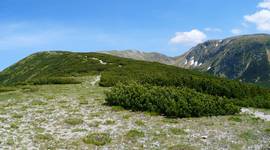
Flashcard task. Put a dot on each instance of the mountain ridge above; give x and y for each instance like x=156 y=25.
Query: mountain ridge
x=244 y=57
x=140 y=55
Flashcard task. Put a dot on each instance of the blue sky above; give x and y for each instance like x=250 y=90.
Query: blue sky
x=170 y=27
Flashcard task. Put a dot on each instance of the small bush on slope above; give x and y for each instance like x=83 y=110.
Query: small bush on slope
x=55 y=80
x=170 y=101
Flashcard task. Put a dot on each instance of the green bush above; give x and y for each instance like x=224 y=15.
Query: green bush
x=245 y=95
x=170 y=101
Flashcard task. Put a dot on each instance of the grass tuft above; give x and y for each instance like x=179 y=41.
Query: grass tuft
x=248 y=135
x=73 y=121
x=267 y=130
x=117 y=108
x=43 y=137
x=38 y=102
x=139 y=123
x=133 y=134
x=17 y=116
x=109 y=122
x=98 y=139
x=177 y=131
x=235 y=119
x=181 y=147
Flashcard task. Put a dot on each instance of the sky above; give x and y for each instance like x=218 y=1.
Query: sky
x=170 y=27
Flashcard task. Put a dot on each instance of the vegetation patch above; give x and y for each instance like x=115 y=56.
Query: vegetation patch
x=94 y=124
x=170 y=101
x=10 y=141
x=73 y=121
x=29 y=89
x=55 y=80
x=139 y=123
x=109 y=122
x=248 y=135
x=2 y=119
x=16 y=115
x=177 y=131
x=38 y=102
x=6 y=89
x=133 y=134
x=98 y=139
x=170 y=120
x=79 y=130
x=83 y=101
x=267 y=130
x=126 y=117
x=152 y=113
x=14 y=125
x=235 y=119
x=39 y=129
x=43 y=137
x=182 y=147
x=117 y=108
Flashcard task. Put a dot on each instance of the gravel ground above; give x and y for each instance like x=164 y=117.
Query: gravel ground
x=61 y=116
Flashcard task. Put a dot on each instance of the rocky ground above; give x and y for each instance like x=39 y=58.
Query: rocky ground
x=75 y=117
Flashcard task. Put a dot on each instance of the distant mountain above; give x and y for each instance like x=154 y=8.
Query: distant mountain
x=139 y=55
x=245 y=58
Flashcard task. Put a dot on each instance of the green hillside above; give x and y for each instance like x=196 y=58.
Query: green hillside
x=60 y=64
x=58 y=67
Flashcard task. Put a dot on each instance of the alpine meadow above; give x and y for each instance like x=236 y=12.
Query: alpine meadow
x=199 y=81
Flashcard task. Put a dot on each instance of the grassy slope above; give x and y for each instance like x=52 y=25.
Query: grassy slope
x=55 y=64
x=63 y=67
x=66 y=64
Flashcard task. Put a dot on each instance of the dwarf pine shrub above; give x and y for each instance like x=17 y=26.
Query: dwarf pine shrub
x=169 y=101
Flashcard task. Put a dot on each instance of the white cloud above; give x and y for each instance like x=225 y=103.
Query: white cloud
x=236 y=31
x=213 y=29
x=192 y=37
x=264 y=4
x=261 y=19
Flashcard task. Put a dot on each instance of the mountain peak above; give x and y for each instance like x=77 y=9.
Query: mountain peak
x=244 y=57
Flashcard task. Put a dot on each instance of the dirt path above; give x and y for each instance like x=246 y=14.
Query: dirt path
x=96 y=80
x=258 y=114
